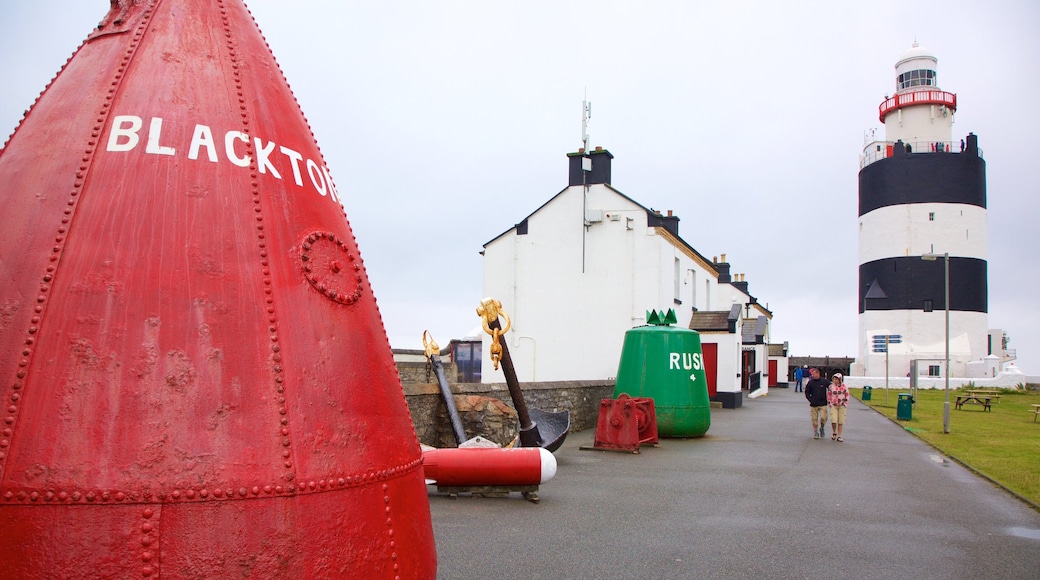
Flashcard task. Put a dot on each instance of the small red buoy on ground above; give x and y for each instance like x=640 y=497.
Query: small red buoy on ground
x=459 y=467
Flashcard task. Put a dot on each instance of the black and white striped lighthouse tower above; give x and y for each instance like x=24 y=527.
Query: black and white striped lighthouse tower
x=921 y=193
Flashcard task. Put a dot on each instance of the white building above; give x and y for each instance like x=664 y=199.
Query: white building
x=588 y=264
x=922 y=209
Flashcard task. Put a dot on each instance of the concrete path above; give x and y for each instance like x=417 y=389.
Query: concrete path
x=757 y=497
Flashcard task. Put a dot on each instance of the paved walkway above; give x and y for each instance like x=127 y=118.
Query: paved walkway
x=757 y=497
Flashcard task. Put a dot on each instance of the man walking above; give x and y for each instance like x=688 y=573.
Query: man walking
x=816 y=394
x=798 y=376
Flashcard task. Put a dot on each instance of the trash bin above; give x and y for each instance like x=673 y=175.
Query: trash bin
x=867 y=390
x=905 y=407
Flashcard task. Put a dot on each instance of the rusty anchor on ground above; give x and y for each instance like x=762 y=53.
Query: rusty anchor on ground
x=433 y=355
x=537 y=428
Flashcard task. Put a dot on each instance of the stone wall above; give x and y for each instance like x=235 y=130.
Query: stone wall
x=487 y=409
x=422 y=372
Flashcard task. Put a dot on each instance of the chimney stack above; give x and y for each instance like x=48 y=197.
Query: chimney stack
x=600 y=172
x=723 y=268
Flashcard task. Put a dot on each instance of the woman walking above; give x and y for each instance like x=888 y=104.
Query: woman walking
x=838 y=402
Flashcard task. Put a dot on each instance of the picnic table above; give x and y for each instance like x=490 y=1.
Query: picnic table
x=968 y=399
x=993 y=394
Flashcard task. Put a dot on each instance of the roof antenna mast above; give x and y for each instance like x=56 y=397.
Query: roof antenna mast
x=586 y=114
x=586 y=167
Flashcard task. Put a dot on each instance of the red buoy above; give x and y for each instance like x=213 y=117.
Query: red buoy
x=195 y=376
x=461 y=466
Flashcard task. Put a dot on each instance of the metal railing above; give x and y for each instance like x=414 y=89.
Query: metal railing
x=916 y=97
x=884 y=149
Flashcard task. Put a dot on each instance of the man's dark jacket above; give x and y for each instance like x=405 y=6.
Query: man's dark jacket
x=816 y=392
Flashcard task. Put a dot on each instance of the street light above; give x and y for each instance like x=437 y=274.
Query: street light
x=931 y=257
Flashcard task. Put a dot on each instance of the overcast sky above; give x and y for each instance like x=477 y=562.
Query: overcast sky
x=444 y=123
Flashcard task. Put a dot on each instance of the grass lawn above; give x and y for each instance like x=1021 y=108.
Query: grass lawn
x=1003 y=444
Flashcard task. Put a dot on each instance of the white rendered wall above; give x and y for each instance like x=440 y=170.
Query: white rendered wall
x=967 y=339
x=783 y=368
x=919 y=124
x=569 y=319
x=906 y=230
x=728 y=378
x=727 y=295
x=1004 y=379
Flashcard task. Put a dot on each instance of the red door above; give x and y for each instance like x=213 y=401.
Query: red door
x=710 y=354
x=772 y=373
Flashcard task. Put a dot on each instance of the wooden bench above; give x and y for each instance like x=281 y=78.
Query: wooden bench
x=973 y=400
x=1036 y=412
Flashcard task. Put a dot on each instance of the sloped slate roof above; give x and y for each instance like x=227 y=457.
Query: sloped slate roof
x=710 y=320
x=753 y=329
x=747 y=331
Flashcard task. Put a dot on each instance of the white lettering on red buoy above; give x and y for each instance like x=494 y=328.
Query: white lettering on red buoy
x=332 y=186
x=229 y=147
x=154 y=132
x=319 y=181
x=202 y=137
x=124 y=126
x=125 y=135
x=294 y=160
x=262 y=159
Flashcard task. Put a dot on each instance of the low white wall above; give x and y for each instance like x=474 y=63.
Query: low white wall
x=1003 y=380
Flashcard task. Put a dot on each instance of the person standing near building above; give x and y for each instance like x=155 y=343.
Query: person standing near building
x=837 y=404
x=798 y=376
x=816 y=394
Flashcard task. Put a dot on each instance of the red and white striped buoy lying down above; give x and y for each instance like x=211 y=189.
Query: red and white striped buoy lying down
x=458 y=467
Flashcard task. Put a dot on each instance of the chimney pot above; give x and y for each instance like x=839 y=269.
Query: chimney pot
x=723 y=258
x=599 y=148
x=669 y=213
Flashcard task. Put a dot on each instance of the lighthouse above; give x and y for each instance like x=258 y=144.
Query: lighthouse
x=922 y=233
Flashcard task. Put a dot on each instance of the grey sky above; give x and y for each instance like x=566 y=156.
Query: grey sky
x=446 y=122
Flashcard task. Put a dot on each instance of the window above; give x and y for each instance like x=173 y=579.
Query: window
x=676 y=275
x=467 y=361
x=693 y=288
x=933 y=370
x=931 y=216
x=916 y=78
x=928 y=305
